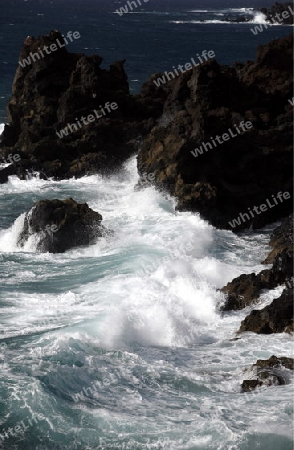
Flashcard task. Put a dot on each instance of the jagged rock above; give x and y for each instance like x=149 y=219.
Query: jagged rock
x=244 y=171
x=61 y=225
x=274 y=318
x=242 y=291
x=57 y=89
x=245 y=290
x=269 y=372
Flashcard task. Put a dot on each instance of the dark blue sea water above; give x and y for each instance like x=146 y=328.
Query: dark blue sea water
x=120 y=345
x=152 y=39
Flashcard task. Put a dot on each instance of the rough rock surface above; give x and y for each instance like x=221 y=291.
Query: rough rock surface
x=53 y=92
x=281 y=239
x=245 y=290
x=268 y=372
x=242 y=291
x=244 y=171
x=274 y=318
x=61 y=225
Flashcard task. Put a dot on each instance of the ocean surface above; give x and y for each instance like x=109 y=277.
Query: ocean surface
x=120 y=345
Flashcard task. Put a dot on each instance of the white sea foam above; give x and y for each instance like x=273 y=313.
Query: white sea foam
x=259 y=18
x=158 y=274
x=202 y=22
x=226 y=10
x=146 y=294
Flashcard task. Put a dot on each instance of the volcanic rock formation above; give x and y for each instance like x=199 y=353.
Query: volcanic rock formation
x=61 y=225
x=243 y=171
x=59 y=89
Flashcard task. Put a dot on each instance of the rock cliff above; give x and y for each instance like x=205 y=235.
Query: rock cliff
x=222 y=181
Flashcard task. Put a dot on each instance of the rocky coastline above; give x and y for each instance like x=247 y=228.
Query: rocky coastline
x=222 y=182
x=164 y=125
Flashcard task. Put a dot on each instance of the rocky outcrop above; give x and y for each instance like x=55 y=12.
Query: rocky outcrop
x=274 y=318
x=245 y=290
x=59 y=89
x=277 y=13
x=242 y=172
x=268 y=372
x=60 y=225
x=242 y=291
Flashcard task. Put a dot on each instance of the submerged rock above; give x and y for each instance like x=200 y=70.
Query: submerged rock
x=269 y=372
x=61 y=225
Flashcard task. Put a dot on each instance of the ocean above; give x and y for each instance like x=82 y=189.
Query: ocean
x=120 y=345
